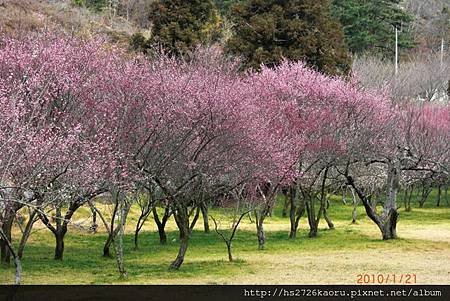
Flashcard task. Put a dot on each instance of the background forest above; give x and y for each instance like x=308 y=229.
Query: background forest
x=224 y=142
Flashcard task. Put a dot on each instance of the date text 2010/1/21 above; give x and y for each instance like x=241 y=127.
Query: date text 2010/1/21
x=386 y=279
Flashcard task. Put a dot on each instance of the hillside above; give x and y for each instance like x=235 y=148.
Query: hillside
x=19 y=16
x=430 y=17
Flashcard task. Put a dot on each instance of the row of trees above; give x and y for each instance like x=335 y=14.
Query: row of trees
x=264 y=31
x=260 y=32
x=80 y=119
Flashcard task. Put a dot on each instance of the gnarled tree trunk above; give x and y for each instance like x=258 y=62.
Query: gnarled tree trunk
x=182 y=220
x=387 y=221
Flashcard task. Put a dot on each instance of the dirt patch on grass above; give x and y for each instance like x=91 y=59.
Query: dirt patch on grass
x=430 y=267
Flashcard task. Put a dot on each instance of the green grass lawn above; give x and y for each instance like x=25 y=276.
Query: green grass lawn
x=335 y=256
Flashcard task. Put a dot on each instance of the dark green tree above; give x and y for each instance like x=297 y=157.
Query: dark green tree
x=266 y=31
x=224 y=5
x=369 y=25
x=180 y=25
x=139 y=43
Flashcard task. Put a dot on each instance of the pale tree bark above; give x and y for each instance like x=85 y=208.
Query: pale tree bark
x=260 y=217
x=181 y=216
x=268 y=194
x=113 y=230
x=387 y=220
x=17 y=262
x=26 y=233
x=124 y=208
x=297 y=208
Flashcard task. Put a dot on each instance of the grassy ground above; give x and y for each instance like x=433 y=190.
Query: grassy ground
x=335 y=256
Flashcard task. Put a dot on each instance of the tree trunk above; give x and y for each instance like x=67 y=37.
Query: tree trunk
x=161 y=224
x=136 y=235
x=140 y=223
x=260 y=228
x=194 y=220
x=295 y=213
x=111 y=232
x=287 y=201
x=313 y=226
x=292 y=212
x=17 y=263
x=26 y=234
x=386 y=222
x=425 y=193
x=5 y=254
x=261 y=236
x=405 y=199
x=204 y=209
x=344 y=195
x=109 y=241
x=182 y=219
x=94 y=224
x=145 y=212
x=446 y=194
x=106 y=247
x=162 y=236
x=355 y=204
x=408 y=196
x=176 y=264
x=3 y=251
x=293 y=220
x=59 y=248
x=230 y=257
x=438 y=197
x=327 y=218
x=389 y=227
x=119 y=246
x=390 y=214
x=18 y=275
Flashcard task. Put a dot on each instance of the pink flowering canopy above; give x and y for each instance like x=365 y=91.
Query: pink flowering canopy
x=86 y=115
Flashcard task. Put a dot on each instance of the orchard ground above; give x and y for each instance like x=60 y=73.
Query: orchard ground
x=334 y=257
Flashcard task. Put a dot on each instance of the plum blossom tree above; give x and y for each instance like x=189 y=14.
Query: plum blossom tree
x=58 y=138
x=309 y=121
x=36 y=137
x=197 y=144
